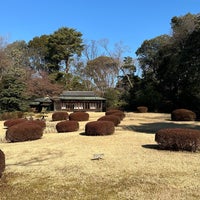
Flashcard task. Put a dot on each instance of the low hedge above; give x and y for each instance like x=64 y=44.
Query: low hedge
x=11 y=115
x=112 y=118
x=178 y=139
x=2 y=162
x=60 y=115
x=67 y=126
x=79 y=116
x=183 y=115
x=24 y=132
x=99 y=128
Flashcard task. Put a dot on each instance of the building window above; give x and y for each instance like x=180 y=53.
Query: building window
x=92 y=106
x=78 y=106
x=63 y=106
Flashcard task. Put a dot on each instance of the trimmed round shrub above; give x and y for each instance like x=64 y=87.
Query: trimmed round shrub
x=111 y=112
x=24 y=132
x=11 y=122
x=67 y=126
x=79 y=116
x=118 y=113
x=183 y=115
x=142 y=109
x=112 y=118
x=178 y=139
x=99 y=128
x=2 y=162
x=60 y=115
x=38 y=122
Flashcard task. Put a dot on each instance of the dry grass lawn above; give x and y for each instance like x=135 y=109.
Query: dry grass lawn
x=60 y=166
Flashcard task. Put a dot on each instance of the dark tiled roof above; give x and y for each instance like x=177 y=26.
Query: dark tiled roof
x=40 y=100
x=78 y=94
x=45 y=99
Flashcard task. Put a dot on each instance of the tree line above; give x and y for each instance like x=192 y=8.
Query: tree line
x=63 y=60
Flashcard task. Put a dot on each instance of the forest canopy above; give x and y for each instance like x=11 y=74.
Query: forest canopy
x=48 y=64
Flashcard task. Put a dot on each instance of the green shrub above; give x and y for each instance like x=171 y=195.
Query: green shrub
x=60 y=115
x=99 y=128
x=183 y=115
x=23 y=132
x=178 y=139
x=112 y=118
x=67 y=126
x=79 y=116
x=142 y=109
x=2 y=162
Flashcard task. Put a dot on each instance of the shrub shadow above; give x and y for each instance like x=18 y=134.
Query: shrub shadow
x=152 y=128
x=83 y=134
x=151 y=146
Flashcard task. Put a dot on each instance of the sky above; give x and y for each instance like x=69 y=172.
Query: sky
x=127 y=21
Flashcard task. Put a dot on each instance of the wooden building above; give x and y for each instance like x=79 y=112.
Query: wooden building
x=71 y=101
x=41 y=104
x=79 y=101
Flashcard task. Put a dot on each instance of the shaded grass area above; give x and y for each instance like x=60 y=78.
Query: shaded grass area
x=151 y=128
x=125 y=185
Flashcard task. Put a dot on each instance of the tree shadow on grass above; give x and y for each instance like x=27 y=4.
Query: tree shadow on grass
x=152 y=128
x=37 y=160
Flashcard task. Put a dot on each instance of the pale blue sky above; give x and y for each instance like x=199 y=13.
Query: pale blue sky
x=129 y=21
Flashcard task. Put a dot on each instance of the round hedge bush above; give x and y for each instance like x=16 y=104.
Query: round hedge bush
x=67 y=126
x=99 y=128
x=118 y=113
x=112 y=118
x=2 y=162
x=79 y=116
x=142 y=109
x=38 y=122
x=60 y=115
x=11 y=122
x=178 y=139
x=183 y=115
x=24 y=132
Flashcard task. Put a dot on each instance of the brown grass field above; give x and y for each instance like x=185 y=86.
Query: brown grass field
x=60 y=166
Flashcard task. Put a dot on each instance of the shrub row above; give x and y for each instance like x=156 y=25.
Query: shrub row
x=76 y=116
x=178 y=139
x=11 y=115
